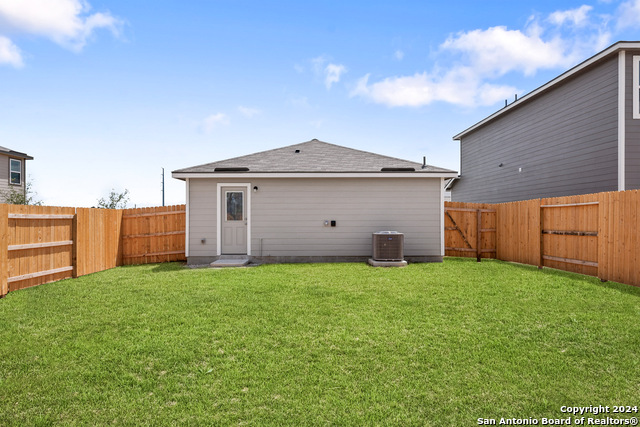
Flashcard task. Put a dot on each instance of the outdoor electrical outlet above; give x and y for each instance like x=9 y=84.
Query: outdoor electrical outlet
x=203 y=241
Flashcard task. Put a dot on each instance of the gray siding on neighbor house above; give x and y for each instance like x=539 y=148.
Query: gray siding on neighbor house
x=564 y=140
x=287 y=216
x=4 y=176
x=632 y=129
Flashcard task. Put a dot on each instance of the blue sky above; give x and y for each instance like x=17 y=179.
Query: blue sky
x=105 y=93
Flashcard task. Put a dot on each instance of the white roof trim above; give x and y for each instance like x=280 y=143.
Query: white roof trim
x=608 y=51
x=247 y=175
x=450 y=183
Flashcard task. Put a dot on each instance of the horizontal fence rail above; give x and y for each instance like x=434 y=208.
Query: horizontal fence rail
x=593 y=234
x=41 y=244
x=152 y=235
x=470 y=230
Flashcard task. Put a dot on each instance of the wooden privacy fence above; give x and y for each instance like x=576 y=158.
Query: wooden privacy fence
x=151 y=235
x=593 y=234
x=470 y=230
x=41 y=244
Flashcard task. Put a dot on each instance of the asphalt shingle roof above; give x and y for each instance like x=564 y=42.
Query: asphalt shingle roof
x=312 y=156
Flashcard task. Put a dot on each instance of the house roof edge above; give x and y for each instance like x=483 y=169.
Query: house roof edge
x=618 y=46
x=11 y=153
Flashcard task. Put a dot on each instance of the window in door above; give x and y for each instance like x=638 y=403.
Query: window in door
x=235 y=205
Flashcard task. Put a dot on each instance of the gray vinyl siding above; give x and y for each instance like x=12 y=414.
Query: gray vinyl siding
x=287 y=216
x=632 y=129
x=202 y=217
x=564 y=140
x=4 y=176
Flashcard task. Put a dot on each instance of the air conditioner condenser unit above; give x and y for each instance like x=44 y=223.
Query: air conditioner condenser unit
x=388 y=246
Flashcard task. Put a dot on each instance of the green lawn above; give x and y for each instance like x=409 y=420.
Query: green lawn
x=314 y=344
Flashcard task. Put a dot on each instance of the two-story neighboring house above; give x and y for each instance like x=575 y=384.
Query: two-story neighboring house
x=577 y=134
x=12 y=171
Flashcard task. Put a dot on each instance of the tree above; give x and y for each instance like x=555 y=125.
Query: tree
x=13 y=196
x=115 y=200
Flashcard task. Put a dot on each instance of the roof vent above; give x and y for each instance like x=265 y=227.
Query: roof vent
x=398 y=169
x=231 y=170
x=297 y=151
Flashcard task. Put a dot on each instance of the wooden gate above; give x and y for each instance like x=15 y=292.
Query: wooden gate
x=470 y=230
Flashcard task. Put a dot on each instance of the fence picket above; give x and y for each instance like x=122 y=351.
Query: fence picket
x=593 y=234
x=4 y=253
x=53 y=243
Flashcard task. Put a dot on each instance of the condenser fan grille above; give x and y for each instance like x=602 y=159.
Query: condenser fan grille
x=388 y=246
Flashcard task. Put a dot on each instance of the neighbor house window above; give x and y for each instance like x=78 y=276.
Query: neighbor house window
x=15 y=171
x=635 y=86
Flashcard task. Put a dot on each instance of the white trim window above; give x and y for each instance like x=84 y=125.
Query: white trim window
x=635 y=86
x=15 y=171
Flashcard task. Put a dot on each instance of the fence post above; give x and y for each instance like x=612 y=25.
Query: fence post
x=74 y=248
x=4 y=249
x=479 y=237
x=603 y=236
x=541 y=258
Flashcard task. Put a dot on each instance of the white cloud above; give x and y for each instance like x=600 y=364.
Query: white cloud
x=318 y=64
x=459 y=87
x=66 y=22
x=469 y=62
x=399 y=55
x=248 y=112
x=333 y=73
x=628 y=14
x=497 y=50
x=9 y=53
x=213 y=121
x=578 y=17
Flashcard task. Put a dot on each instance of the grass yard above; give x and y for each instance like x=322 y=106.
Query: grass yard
x=341 y=344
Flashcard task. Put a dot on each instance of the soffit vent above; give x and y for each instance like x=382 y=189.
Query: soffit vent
x=231 y=170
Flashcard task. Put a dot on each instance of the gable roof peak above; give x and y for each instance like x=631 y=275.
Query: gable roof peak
x=311 y=156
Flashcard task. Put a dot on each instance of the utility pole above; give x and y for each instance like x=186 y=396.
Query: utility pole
x=162 y=186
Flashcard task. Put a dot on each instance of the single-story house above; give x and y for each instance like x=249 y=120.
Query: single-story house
x=13 y=165
x=577 y=134
x=312 y=202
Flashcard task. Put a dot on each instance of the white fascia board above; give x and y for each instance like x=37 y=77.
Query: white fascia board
x=442 y=251
x=450 y=183
x=186 y=234
x=218 y=175
x=543 y=88
x=622 y=88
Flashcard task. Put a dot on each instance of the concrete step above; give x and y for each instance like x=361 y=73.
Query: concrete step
x=230 y=262
x=375 y=263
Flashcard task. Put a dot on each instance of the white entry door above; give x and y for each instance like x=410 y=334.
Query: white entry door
x=234 y=220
